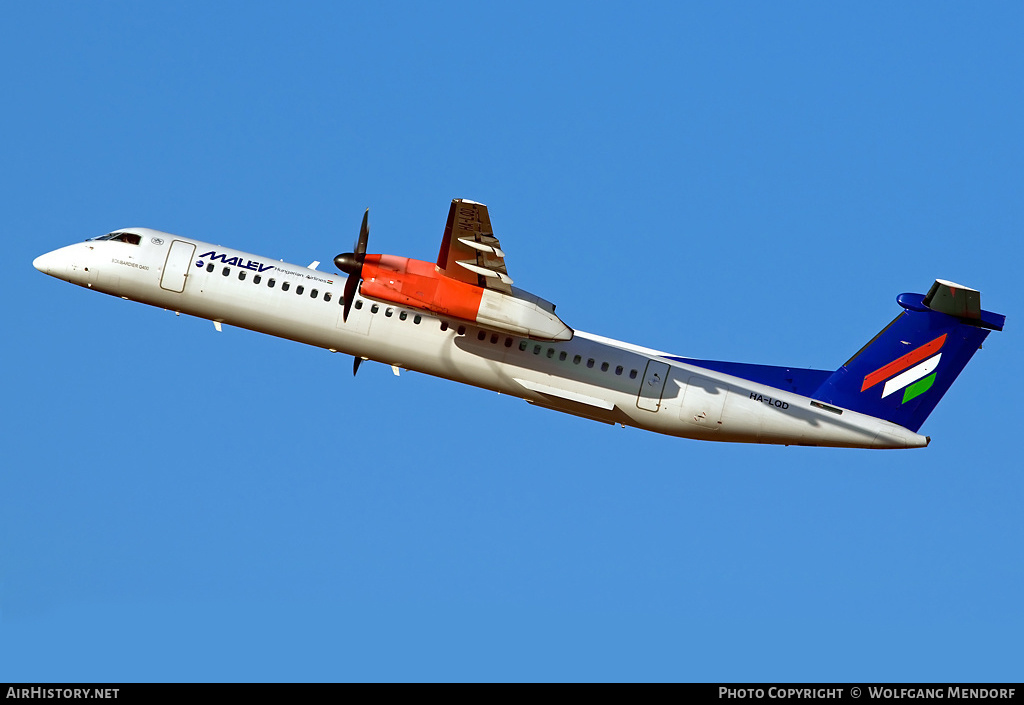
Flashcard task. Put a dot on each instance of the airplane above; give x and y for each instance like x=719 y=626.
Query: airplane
x=461 y=318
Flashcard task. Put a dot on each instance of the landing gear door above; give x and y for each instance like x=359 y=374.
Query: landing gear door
x=653 y=385
x=179 y=259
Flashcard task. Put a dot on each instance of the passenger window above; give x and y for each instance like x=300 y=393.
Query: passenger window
x=285 y=286
x=604 y=366
x=403 y=315
x=590 y=362
x=480 y=335
x=299 y=289
x=417 y=318
x=270 y=282
x=374 y=308
x=257 y=279
x=462 y=330
x=313 y=294
x=444 y=325
x=576 y=360
x=494 y=338
x=561 y=356
x=241 y=275
x=209 y=267
x=632 y=374
x=389 y=312
x=508 y=342
x=327 y=296
x=523 y=345
x=618 y=370
x=227 y=271
x=358 y=303
x=536 y=350
x=551 y=352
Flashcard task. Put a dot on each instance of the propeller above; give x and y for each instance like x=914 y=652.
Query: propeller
x=351 y=263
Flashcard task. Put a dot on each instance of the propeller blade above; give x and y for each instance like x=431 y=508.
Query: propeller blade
x=351 y=284
x=356 y=362
x=364 y=234
x=351 y=263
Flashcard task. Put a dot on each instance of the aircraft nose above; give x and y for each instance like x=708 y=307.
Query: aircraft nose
x=45 y=263
x=57 y=262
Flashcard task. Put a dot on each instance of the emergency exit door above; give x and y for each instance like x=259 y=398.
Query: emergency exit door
x=653 y=385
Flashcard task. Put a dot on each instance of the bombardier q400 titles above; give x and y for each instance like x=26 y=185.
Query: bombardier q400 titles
x=460 y=318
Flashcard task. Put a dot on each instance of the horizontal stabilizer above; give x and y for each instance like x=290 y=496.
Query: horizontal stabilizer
x=953 y=300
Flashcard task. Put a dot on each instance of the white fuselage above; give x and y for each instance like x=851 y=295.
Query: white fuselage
x=588 y=376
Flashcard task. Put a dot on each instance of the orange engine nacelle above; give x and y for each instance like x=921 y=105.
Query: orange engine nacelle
x=418 y=284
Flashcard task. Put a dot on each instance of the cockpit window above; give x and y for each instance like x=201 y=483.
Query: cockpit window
x=130 y=238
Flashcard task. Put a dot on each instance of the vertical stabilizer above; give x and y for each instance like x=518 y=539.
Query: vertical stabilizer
x=902 y=373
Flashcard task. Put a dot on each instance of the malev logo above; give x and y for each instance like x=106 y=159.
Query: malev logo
x=236 y=261
x=914 y=373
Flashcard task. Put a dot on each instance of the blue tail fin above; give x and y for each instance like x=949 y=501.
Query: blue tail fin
x=902 y=373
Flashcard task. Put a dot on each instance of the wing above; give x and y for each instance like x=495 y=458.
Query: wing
x=469 y=250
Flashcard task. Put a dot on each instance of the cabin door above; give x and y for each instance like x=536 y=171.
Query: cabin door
x=179 y=259
x=653 y=385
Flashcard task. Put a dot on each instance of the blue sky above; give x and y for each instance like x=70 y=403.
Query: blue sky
x=722 y=180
